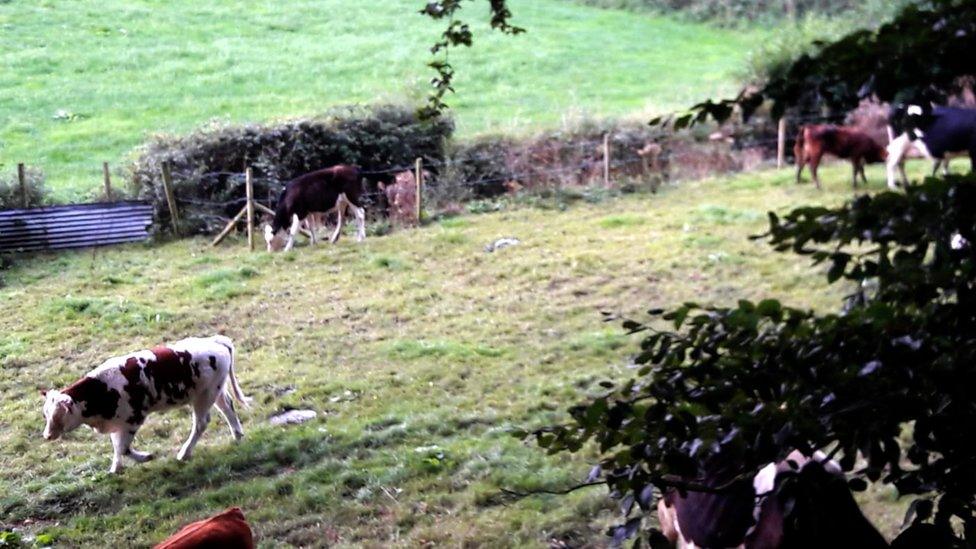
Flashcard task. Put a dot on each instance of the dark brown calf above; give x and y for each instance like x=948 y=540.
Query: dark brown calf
x=813 y=142
x=336 y=188
x=228 y=530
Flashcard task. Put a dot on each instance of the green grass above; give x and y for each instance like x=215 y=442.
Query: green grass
x=85 y=81
x=418 y=352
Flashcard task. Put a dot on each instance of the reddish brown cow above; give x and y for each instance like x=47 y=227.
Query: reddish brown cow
x=812 y=142
x=227 y=530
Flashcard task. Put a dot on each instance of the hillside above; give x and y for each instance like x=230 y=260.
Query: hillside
x=84 y=82
x=419 y=350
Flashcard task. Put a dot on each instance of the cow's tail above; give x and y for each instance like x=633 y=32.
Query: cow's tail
x=232 y=387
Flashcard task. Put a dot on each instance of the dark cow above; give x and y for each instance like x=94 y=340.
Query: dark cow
x=813 y=142
x=331 y=189
x=937 y=132
x=116 y=397
x=800 y=502
x=227 y=530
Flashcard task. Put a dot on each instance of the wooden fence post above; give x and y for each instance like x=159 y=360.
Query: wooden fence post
x=229 y=227
x=22 y=179
x=171 y=198
x=419 y=178
x=249 y=189
x=108 y=181
x=781 y=144
x=606 y=160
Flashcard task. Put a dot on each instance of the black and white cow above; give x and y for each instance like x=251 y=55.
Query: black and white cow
x=798 y=502
x=116 y=397
x=937 y=132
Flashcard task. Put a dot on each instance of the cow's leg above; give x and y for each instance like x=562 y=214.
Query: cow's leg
x=340 y=208
x=201 y=417
x=120 y=442
x=312 y=225
x=226 y=408
x=137 y=456
x=814 y=164
x=864 y=176
x=856 y=166
x=896 y=159
x=801 y=161
x=292 y=231
x=360 y=214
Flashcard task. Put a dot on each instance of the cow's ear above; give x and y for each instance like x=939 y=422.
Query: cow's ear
x=43 y=393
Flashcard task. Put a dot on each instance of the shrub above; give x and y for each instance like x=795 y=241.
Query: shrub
x=10 y=197
x=732 y=12
x=208 y=164
x=490 y=166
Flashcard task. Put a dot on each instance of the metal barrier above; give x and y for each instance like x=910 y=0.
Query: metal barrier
x=74 y=226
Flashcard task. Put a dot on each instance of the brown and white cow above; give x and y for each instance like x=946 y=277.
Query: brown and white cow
x=116 y=397
x=401 y=197
x=814 y=141
x=227 y=530
x=798 y=502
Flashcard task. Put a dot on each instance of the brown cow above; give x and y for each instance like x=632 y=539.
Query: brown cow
x=227 y=530
x=812 y=142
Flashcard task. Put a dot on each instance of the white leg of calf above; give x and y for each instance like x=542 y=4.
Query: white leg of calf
x=896 y=154
x=360 y=214
x=292 y=231
x=200 y=420
x=226 y=408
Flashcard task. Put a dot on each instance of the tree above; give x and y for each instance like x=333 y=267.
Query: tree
x=457 y=33
x=758 y=380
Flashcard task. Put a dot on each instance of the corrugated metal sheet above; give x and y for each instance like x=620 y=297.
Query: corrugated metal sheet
x=74 y=226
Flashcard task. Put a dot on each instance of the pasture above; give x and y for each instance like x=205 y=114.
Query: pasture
x=85 y=82
x=419 y=351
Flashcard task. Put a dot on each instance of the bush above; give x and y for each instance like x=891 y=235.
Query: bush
x=10 y=197
x=208 y=164
x=490 y=166
x=732 y=12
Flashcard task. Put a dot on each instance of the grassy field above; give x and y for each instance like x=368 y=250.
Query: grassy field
x=84 y=82
x=419 y=350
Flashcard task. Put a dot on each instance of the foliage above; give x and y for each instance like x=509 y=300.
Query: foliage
x=918 y=57
x=10 y=194
x=456 y=34
x=489 y=166
x=735 y=12
x=750 y=383
x=208 y=165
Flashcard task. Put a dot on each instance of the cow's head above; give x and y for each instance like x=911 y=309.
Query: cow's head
x=61 y=414
x=275 y=241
